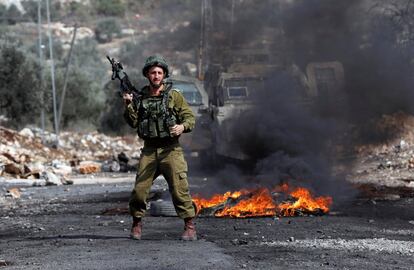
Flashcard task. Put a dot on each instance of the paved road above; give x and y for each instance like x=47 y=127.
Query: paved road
x=64 y=228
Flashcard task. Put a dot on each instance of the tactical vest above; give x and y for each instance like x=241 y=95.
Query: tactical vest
x=154 y=117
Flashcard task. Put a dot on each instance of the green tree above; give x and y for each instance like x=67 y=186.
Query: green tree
x=84 y=100
x=30 y=7
x=3 y=11
x=13 y=14
x=107 y=29
x=19 y=86
x=109 y=7
x=87 y=58
x=80 y=11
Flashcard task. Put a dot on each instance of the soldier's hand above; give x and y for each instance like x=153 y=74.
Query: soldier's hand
x=176 y=130
x=127 y=98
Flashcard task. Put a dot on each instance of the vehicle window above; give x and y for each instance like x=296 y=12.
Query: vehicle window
x=325 y=80
x=190 y=92
x=237 y=92
x=241 y=88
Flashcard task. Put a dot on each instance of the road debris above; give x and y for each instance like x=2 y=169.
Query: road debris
x=33 y=154
x=14 y=193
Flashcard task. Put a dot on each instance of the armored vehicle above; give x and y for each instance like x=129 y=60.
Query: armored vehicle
x=193 y=90
x=231 y=95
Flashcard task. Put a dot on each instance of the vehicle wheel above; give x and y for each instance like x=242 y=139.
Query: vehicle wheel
x=162 y=208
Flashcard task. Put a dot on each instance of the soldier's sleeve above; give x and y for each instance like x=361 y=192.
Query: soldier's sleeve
x=183 y=111
x=131 y=115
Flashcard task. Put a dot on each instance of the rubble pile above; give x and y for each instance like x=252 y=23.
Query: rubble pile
x=29 y=153
x=390 y=163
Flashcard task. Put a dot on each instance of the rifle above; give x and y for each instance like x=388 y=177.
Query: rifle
x=126 y=86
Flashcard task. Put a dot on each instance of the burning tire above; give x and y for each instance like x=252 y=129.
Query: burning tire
x=162 y=208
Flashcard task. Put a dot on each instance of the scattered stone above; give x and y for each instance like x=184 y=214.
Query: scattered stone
x=239 y=242
x=89 y=167
x=4 y=263
x=111 y=166
x=39 y=183
x=61 y=168
x=14 y=169
x=51 y=178
x=14 y=193
x=24 y=154
x=27 y=132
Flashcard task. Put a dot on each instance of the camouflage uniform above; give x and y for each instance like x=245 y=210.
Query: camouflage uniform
x=163 y=156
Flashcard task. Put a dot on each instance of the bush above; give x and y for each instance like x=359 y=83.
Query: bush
x=84 y=99
x=109 y=7
x=107 y=29
x=13 y=14
x=19 y=86
x=30 y=7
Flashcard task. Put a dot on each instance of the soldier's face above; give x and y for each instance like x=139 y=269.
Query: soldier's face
x=155 y=76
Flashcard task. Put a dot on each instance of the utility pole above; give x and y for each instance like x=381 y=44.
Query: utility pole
x=40 y=45
x=231 y=23
x=201 y=45
x=52 y=70
x=206 y=21
x=62 y=98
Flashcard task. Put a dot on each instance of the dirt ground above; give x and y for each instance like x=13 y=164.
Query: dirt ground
x=68 y=227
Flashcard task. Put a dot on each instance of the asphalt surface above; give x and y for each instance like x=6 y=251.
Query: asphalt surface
x=70 y=227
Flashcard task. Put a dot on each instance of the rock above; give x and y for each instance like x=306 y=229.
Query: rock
x=114 y=167
x=60 y=168
x=89 y=167
x=14 y=193
x=4 y=263
x=66 y=181
x=39 y=183
x=15 y=169
x=122 y=157
x=27 y=132
x=51 y=178
x=36 y=166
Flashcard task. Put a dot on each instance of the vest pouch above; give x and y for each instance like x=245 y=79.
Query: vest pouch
x=143 y=129
x=153 y=132
x=164 y=131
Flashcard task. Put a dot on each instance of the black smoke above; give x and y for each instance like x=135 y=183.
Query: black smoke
x=288 y=141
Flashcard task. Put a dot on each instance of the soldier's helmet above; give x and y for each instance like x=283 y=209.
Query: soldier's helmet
x=155 y=60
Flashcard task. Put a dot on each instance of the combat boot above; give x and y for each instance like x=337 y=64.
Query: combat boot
x=190 y=233
x=136 y=229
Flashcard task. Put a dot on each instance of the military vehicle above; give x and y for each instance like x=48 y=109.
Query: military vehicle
x=194 y=93
x=230 y=93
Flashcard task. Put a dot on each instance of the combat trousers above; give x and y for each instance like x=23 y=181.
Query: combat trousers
x=168 y=161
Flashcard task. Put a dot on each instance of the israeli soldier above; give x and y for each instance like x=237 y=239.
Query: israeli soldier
x=160 y=116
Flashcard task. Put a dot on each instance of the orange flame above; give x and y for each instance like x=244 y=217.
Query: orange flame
x=260 y=203
x=304 y=202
